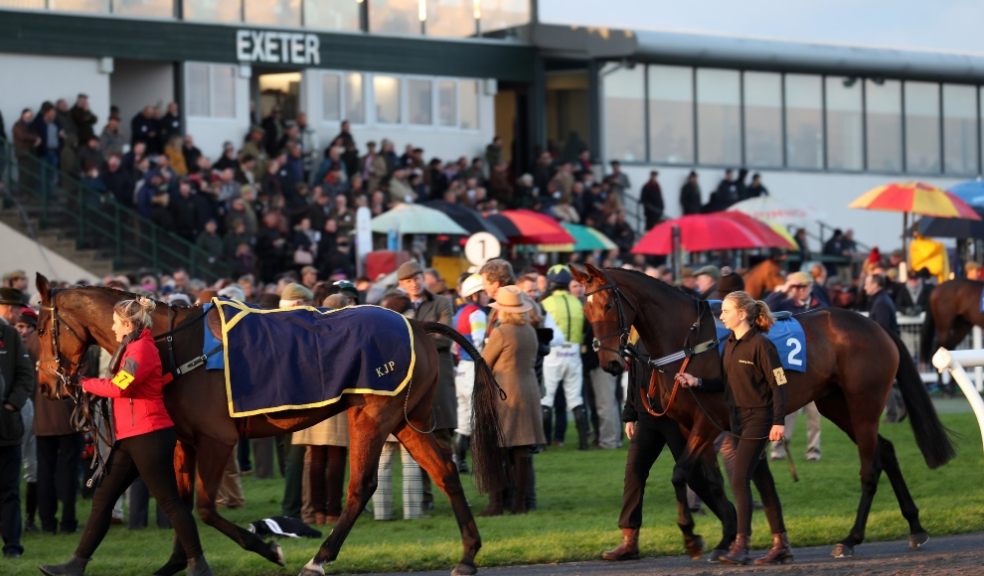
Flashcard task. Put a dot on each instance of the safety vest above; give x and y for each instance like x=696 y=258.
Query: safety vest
x=568 y=313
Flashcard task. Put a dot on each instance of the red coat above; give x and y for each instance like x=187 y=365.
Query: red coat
x=137 y=390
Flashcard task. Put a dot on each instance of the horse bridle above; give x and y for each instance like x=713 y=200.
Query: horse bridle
x=623 y=326
x=65 y=380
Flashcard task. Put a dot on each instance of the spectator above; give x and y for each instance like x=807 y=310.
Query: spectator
x=145 y=128
x=175 y=156
x=83 y=118
x=110 y=140
x=273 y=132
x=170 y=123
x=651 y=198
x=691 y=200
x=117 y=181
x=210 y=242
x=756 y=189
x=619 y=181
x=913 y=297
x=192 y=155
x=705 y=282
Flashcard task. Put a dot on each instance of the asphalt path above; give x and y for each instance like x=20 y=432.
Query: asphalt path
x=961 y=555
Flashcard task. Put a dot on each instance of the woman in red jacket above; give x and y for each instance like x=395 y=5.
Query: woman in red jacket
x=145 y=441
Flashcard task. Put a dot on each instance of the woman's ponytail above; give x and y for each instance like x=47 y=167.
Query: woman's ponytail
x=138 y=311
x=764 y=318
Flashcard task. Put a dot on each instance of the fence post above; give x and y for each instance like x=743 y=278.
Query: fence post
x=978 y=370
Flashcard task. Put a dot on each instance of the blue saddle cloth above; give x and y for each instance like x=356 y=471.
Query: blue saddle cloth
x=982 y=300
x=307 y=357
x=786 y=334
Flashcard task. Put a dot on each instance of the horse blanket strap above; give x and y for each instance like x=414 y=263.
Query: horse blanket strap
x=686 y=353
x=195 y=363
x=306 y=357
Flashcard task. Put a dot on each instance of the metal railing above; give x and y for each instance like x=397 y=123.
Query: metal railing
x=95 y=220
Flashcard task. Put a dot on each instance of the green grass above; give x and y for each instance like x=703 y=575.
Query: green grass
x=579 y=498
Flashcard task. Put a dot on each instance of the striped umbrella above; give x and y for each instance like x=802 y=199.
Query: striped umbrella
x=586 y=239
x=529 y=227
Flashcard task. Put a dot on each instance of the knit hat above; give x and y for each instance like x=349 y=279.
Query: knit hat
x=28 y=316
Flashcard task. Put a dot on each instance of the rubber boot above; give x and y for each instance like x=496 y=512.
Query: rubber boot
x=738 y=553
x=461 y=445
x=780 y=553
x=627 y=550
x=74 y=567
x=581 y=421
x=547 y=413
x=522 y=462
x=31 y=507
x=198 y=567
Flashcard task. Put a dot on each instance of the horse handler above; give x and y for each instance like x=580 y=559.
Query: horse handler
x=145 y=441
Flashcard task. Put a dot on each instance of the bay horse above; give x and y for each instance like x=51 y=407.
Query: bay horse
x=852 y=363
x=73 y=318
x=763 y=278
x=954 y=309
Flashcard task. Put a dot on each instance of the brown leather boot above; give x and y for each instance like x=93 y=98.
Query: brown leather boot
x=628 y=549
x=738 y=553
x=780 y=553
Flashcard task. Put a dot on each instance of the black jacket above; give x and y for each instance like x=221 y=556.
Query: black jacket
x=883 y=312
x=16 y=384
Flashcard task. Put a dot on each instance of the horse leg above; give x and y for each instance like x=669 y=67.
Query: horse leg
x=184 y=468
x=213 y=455
x=434 y=457
x=886 y=452
x=686 y=464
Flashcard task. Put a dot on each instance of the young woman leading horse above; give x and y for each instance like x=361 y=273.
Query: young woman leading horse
x=852 y=364
x=73 y=318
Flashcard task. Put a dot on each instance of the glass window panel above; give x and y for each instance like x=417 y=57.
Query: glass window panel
x=386 y=91
x=718 y=121
x=420 y=106
x=198 y=89
x=959 y=129
x=285 y=13
x=394 y=17
x=625 y=114
x=145 y=8
x=804 y=122
x=447 y=103
x=450 y=18
x=355 y=98
x=671 y=114
x=96 y=6
x=212 y=10
x=23 y=4
x=332 y=14
x=922 y=127
x=883 y=110
x=468 y=101
x=499 y=14
x=223 y=91
x=331 y=97
x=763 y=119
x=844 y=129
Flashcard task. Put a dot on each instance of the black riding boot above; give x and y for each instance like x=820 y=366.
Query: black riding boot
x=461 y=445
x=581 y=421
x=74 y=567
x=31 y=507
x=522 y=463
x=547 y=412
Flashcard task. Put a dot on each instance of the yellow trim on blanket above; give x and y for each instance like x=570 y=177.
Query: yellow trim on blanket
x=244 y=310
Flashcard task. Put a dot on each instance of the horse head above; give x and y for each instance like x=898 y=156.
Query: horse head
x=62 y=344
x=611 y=319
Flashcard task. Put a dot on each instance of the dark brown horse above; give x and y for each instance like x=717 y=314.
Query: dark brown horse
x=851 y=363
x=763 y=278
x=73 y=318
x=954 y=308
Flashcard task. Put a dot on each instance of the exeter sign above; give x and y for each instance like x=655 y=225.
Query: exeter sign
x=271 y=47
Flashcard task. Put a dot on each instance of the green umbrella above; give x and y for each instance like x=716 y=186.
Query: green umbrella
x=586 y=239
x=416 y=219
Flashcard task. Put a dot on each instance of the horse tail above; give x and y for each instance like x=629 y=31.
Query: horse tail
x=928 y=334
x=931 y=436
x=486 y=441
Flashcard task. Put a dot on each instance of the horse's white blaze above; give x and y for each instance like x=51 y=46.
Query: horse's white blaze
x=590 y=298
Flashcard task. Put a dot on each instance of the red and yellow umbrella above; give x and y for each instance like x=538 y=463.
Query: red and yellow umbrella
x=917 y=198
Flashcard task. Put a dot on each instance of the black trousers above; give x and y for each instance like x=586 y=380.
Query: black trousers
x=651 y=435
x=58 y=480
x=151 y=457
x=751 y=461
x=10 y=515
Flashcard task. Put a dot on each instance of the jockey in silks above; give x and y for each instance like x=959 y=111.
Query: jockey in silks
x=470 y=320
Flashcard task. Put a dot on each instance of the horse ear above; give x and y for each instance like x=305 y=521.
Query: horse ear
x=592 y=270
x=579 y=275
x=41 y=282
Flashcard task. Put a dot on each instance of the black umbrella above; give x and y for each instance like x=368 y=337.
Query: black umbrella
x=950 y=228
x=469 y=219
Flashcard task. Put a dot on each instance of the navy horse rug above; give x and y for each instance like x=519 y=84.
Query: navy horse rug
x=307 y=357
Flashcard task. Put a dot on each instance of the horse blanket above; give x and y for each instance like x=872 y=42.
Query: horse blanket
x=307 y=357
x=786 y=335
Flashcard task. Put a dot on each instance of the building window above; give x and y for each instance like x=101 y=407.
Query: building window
x=420 y=104
x=386 y=93
x=211 y=90
x=397 y=17
x=883 y=125
x=844 y=123
x=468 y=102
x=804 y=122
x=212 y=10
x=959 y=129
x=25 y=4
x=332 y=15
x=718 y=117
x=447 y=103
x=89 y=6
x=763 y=119
x=501 y=14
x=625 y=113
x=286 y=13
x=144 y=8
x=331 y=97
x=355 y=98
x=450 y=18
x=922 y=127
x=671 y=114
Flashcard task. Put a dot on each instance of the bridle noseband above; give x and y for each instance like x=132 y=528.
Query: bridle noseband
x=623 y=326
x=65 y=380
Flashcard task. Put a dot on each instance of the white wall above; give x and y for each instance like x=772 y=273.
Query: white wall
x=26 y=81
x=830 y=193
x=21 y=253
x=210 y=133
x=135 y=84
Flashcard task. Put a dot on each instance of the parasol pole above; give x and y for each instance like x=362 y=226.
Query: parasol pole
x=676 y=251
x=905 y=235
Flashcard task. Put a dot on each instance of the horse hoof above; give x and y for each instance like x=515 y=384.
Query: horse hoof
x=842 y=550
x=917 y=540
x=279 y=555
x=312 y=569
x=463 y=569
x=695 y=547
x=171 y=568
x=716 y=555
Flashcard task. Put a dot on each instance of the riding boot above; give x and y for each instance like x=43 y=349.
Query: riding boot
x=74 y=567
x=780 y=553
x=628 y=549
x=547 y=413
x=198 y=567
x=738 y=553
x=31 y=507
x=581 y=421
x=461 y=445
x=522 y=462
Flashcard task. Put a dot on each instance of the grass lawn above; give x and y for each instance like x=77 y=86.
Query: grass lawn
x=579 y=496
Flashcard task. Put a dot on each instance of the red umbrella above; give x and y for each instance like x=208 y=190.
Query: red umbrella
x=715 y=231
x=529 y=227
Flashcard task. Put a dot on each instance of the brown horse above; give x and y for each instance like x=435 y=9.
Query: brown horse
x=954 y=308
x=763 y=278
x=73 y=318
x=852 y=363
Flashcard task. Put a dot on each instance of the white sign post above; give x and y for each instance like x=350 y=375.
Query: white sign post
x=363 y=237
x=482 y=247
